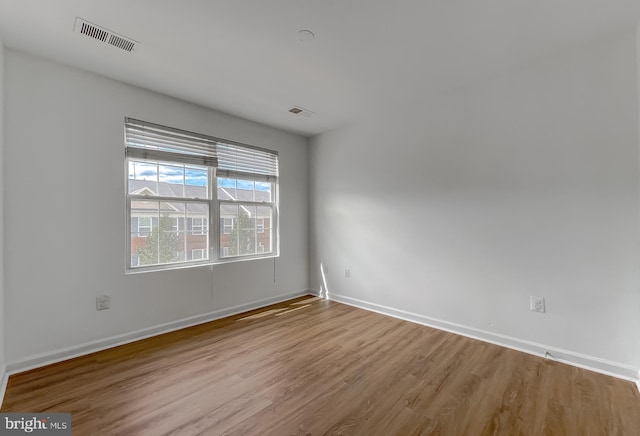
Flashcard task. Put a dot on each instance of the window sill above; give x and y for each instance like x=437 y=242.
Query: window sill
x=170 y=267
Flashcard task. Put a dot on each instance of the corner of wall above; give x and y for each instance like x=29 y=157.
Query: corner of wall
x=315 y=292
x=638 y=92
x=3 y=382
x=309 y=211
x=3 y=372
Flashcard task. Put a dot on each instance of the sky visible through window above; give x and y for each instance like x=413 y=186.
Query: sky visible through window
x=189 y=175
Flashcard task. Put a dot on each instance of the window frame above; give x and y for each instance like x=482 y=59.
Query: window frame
x=212 y=203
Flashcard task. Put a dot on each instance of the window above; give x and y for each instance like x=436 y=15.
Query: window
x=227 y=225
x=144 y=226
x=198 y=226
x=247 y=181
x=178 y=182
x=177 y=224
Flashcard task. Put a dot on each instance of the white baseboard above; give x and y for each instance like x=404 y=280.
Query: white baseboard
x=48 y=358
x=615 y=369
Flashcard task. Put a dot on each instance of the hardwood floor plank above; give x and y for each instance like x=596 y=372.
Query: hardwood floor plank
x=314 y=367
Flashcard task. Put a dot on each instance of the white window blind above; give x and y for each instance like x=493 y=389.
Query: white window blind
x=146 y=140
x=246 y=162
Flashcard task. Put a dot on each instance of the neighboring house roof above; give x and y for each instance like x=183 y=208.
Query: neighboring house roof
x=243 y=195
x=165 y=189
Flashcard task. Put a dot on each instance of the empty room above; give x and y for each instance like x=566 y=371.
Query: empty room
x=305 y=217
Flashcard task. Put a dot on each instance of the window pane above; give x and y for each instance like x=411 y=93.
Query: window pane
x=244 y=190
x=245 y=230
x=145 y=225
x=144 y=213
x=228 y=230
x=168 y=180
x=169 y=244
x=162 y=233
x=197 y=238
x=246 y=185
x=227 y=189
x=143 y=178
x=171 y=180
x=226 y=183
x=263 y=229
x=195 y=176
x=264 y=189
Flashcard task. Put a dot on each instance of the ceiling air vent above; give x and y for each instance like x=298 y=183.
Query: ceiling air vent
x=91 y=30
x=124 y=44
x=297 y=110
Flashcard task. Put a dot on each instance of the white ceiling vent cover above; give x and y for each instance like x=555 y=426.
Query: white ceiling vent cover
x=91 y=30
x=300 y=111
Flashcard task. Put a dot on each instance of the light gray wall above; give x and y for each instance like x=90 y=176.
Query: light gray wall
x=2 y=315
x=65 y=212
x=458 y=209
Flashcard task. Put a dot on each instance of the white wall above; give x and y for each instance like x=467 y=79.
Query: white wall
x=456 y=210
x=65 y=213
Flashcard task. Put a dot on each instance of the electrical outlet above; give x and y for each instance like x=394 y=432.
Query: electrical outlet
x=103 y=302
x=347 y=273
x=536 y=304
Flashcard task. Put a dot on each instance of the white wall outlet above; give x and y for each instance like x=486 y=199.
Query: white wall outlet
x=347 y=273
x=103 y=302
x=536 y=304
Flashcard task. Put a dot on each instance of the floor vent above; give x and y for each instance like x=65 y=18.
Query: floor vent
x=91 y=30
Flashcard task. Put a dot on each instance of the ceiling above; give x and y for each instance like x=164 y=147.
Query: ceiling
x=243 y=57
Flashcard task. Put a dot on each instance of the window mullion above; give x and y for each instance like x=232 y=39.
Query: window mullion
x=214 y=217
x=183 y=232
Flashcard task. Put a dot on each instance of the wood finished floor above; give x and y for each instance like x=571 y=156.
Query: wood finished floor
x=314 y=367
